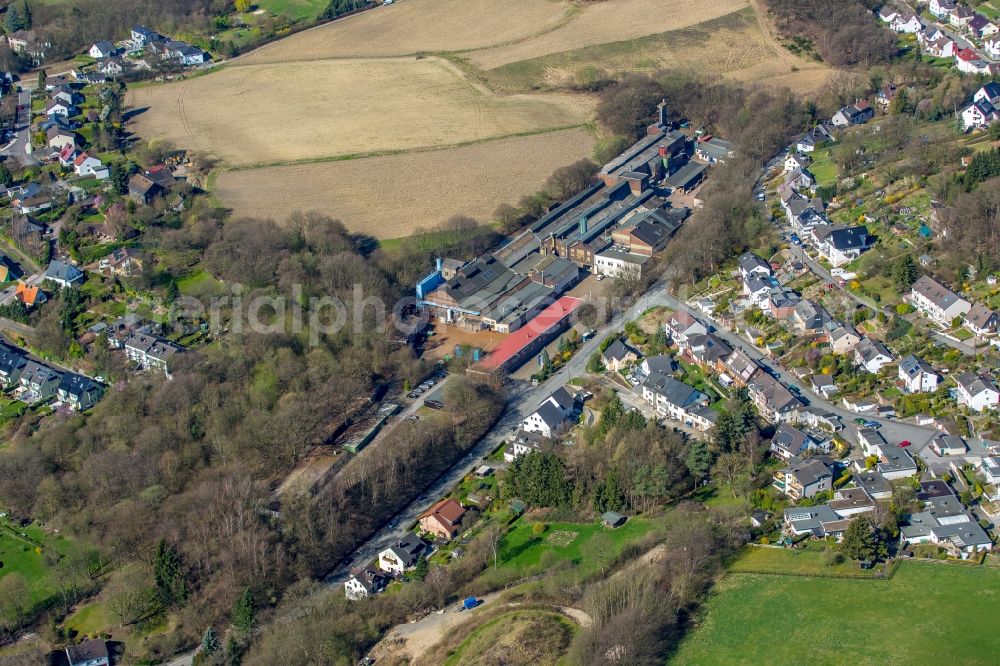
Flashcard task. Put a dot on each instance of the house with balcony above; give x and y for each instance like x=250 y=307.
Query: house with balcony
x=803 y=479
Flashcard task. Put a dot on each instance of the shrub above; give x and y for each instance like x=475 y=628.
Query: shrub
x=538 y=529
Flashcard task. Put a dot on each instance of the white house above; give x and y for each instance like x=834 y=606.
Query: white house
x=937 y=302
x=402 y=555
x=981 y=320
x=992 y=47
x=797 y=161
x=988 y=93
x=93 y=652
x=59 y=108
x=102 y=49
x=551 y=413
x=941 y=8
x=872 y=355
x=840 y=245
x=364 y=583
x=751 y=264
x=917 y=375
x=886 y=14
x=976 y=392
x=683 y=325
x=671 y=398
x=906 y=23
x=978 y=114
x=87 y=165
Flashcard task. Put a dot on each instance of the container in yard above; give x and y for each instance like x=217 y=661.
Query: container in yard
x=470 y=602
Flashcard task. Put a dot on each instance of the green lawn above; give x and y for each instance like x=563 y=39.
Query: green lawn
x=925 y=614
x=823 y=167
x=200 y=284
x=583 y=544
x=806 y=559
x=33 y=562
x=295 y=10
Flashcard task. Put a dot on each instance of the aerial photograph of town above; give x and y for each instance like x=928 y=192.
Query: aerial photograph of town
x=499 y=332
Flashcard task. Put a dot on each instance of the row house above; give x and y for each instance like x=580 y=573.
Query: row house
x=936 y=301
x=773 y=400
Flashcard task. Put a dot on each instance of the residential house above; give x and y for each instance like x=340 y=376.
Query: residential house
x=813 y=138
x=123 y=261
x=141 y=36
x=800 y=179
x=886 y=14
x=66 y=156
x=663 y=364
x=804 y=479
x=820 y=521
x=978 y=114
x=992 y=46
x=945 y=522
x=797 y=161
x=981 y=320
x=823 y=384
x=941 y=8
x=876 y=485
x=872 y=355
x=740 y=368
x=977 y=392
x=142 y=190
x=552 y=413
x=402 y=555
x=683 y=325
x=164 y=177
x=843 y=338
x=989 y=466
x=949 y=445
x=849 y=502
x=781 y=302
x=89 y=166
x=93 y=652
x=788 y=442
x=894 y=462
x=65 y=93
x=38 y=382
x=523 y=443
x=59 y=138
x=750 y=264
x=968 y=61
x=365 y=583
x=102 y=49
x=708 y=351
x=29 y=295
x=960 y=16
x=942 y=47
x=980 y=27
x=619 y=354
x=757 y=288
x=150 y=352
x=886 y=95
x=672 y=398
x=112 y=67
x=841 y=245
x=858 y=113
x=79 y=392
x=917 y=376
x=937 y=302
x=12 y=362
x=773 y=400
x=65 y=275
x=27 y=41
x=443 y=519
x=810 y=318
x=60 y=108
x=907 y=23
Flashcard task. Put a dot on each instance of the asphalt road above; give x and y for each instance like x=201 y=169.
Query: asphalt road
x=19 y=148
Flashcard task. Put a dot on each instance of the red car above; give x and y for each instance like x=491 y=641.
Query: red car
x=904 y=443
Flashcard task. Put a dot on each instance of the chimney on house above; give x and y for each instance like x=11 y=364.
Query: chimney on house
x=583 y=225
x=662 y=110
x=663 y=151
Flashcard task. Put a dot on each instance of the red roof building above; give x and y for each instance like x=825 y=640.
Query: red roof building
x=530 y=338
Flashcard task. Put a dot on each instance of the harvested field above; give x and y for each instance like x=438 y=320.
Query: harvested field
x=732 y=45
x=414 y=26
x=602 y=22
x=392 y=196
x=267 y=114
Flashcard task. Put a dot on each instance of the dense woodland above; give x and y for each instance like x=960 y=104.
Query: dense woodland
x=842 y=33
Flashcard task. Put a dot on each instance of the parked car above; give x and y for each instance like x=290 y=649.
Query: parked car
x=905 y=443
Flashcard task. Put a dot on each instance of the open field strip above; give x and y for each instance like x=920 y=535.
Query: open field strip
x=301 y=111
x=925 y=614
x=394 y=195
x=602 y=22
x=414 y=26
